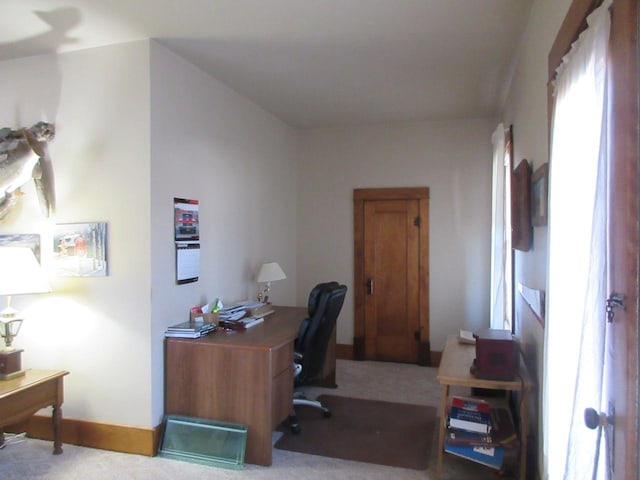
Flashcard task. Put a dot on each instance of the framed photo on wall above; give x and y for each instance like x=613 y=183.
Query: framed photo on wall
x=521 y=228
x=539 y=195
x=80 y=249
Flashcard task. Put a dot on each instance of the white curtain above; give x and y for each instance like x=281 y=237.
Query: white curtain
x=575 y=332
x=500 y=315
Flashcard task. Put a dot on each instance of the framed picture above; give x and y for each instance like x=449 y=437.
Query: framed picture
x=80 y=250
x=539 y=195
x=521 y=228
x=186 y=219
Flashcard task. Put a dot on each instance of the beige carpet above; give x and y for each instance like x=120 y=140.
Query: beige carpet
x=32 y=460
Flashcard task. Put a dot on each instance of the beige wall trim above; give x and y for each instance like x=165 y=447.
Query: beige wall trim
x=118 y=438
x=345 y=352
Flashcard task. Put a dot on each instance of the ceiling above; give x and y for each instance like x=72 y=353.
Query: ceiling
x=312 y=63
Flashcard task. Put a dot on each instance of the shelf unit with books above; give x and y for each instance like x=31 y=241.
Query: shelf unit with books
x=481 y=431
x=454 y=371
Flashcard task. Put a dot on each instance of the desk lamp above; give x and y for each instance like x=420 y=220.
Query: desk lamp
x=20 y=274
x=269 y=272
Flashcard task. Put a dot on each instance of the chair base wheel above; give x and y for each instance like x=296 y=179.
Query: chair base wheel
x=294 y=425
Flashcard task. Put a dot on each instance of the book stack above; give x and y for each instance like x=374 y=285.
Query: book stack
x=479 y=432
x=235 y=317
x=235 y=312
x=241 y=324
x=190 y=329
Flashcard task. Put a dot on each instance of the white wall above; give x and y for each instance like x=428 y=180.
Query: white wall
x=453 y=159
x=209 y=143
x=137 y=126
x=96 y=328
x=526 y=110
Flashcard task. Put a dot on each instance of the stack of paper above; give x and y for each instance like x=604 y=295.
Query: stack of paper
x=190 y=329
x=232 y=313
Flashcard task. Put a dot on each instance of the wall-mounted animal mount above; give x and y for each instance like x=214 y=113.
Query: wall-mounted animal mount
x=24 y=156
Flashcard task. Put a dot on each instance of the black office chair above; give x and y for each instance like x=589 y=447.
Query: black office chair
x=325 y=303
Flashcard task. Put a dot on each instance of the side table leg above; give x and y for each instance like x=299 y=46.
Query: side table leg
x=57 y=434
x=524 y=432
x=443 y=415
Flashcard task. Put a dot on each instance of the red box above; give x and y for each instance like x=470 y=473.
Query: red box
x=496 y=355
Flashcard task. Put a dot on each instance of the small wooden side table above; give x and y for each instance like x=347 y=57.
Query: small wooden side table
x=21 y=397
x=454 y=371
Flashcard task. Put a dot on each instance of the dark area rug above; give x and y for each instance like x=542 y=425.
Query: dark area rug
x=384 y=433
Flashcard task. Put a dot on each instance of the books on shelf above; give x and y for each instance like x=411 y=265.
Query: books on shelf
x=490 y=456
x=470 y=414
x=455 y=436
x=480 y=432
x=471 y=404
x=479 y=422
x=504 y=430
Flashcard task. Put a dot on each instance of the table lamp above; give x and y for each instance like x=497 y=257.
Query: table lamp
x=20 y=274
x=269 y=272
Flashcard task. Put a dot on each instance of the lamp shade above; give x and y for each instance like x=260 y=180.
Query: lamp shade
x=270 y=272
x=20 y=272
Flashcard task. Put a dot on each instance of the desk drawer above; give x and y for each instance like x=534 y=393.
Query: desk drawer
x=282 y=400
x=282 y=358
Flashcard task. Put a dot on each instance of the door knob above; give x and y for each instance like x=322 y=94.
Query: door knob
x=593 y=419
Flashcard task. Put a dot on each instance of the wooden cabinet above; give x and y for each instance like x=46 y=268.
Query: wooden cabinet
x=243 y=377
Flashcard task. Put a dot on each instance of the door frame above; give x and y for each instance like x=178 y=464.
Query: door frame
x=360 y=196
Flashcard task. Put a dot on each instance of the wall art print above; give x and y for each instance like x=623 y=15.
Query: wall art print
x=80 y=250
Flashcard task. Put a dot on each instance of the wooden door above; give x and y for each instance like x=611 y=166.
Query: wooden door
x=391 y=284
x=623 y=236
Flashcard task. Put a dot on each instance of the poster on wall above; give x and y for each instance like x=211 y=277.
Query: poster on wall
x=186 y=219
x=186 y=226
x=80 y=249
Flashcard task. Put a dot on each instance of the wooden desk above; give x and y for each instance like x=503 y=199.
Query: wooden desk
x=21 y=397
x=243 y=377
x=454 y=371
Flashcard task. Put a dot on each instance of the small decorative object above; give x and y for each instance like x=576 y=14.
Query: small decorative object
x=80 y=249
x=24 y=156
x=521 y=229
x=269 y=272
x=20 y=274
x=539 y=195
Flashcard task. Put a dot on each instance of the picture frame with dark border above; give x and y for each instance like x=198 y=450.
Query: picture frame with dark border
x=521 y=227
x=539 y=195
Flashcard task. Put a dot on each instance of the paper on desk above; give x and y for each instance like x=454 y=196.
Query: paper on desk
x=466 y=336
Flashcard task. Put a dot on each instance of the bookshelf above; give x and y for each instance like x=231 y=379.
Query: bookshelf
x=454 y=372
